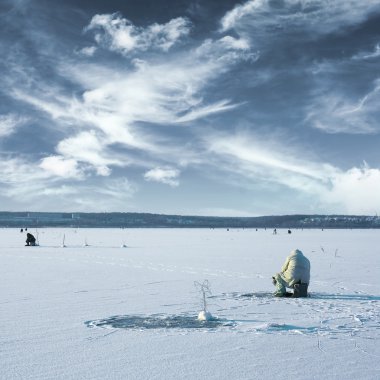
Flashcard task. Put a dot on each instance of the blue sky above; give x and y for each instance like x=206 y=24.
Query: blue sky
x=262 y=107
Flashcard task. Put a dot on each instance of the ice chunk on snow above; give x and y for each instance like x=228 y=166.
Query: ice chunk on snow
x=205 y=316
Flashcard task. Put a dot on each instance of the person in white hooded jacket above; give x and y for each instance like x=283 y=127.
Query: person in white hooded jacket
x=295 y=269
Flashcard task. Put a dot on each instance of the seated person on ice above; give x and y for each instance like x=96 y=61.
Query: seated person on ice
x=296 y=270
x=30 y=239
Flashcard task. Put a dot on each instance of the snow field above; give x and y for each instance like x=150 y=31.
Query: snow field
x=104 y=311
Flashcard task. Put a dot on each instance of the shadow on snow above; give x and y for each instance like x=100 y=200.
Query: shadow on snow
x=311 y=295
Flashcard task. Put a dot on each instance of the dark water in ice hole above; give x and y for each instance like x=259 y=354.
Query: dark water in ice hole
x=157 y=322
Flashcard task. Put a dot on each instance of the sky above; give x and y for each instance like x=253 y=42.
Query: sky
x=212 y=107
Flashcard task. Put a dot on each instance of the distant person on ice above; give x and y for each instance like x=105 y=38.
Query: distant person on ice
x=30 y=239
x=296 y=270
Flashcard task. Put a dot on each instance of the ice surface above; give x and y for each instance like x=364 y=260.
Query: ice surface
x=124 y=305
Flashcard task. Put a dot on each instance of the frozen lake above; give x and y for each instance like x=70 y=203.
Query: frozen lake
x=104 y=311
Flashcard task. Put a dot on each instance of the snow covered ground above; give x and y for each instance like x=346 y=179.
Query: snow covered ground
x=104 y=311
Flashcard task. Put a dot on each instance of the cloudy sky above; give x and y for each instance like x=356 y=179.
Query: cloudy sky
x=201 y=107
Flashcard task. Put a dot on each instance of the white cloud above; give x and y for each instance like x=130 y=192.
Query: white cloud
x=226 y=51
x=87 y=147
x=233 y=17
x=353 y=191
x=162 y=93
x=9 y=124
x=200 y=112
x=262 y=156
x=124 y=111
x=368 y=55
x=26 y=184
x=60 y=191
x=115 y=102
x=17 y=171
x=110 y=195
x=61 y=167
x=235 y=43
x=337 y=113
x=24 y=181
x=120 y=35
x=317 y=16
x=88 y=51
x=119 y=188
x=357 y=190
x=159 y=94
x=45 y=99
x=165 y=175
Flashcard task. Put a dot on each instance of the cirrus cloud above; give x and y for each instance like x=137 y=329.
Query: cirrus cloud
x=120 y=35
x=345 y=191
x=317 y=16
x=336 y=112
x=170 y=99
x=61 y=167
x=364 y=55
x=357 y=189
x=165 y=175
x=9 y=123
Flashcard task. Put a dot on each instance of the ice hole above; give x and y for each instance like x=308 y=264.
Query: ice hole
x=136 y=322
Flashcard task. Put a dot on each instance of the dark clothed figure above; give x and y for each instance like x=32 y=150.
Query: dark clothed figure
x=30 y=239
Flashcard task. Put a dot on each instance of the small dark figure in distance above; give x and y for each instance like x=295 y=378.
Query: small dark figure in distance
x=21 y=230
x=30 y=239
x=289 y=232
x=295 y=274
x=275 y=231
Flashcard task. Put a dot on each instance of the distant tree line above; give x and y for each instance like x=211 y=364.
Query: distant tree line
x=139 y=220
